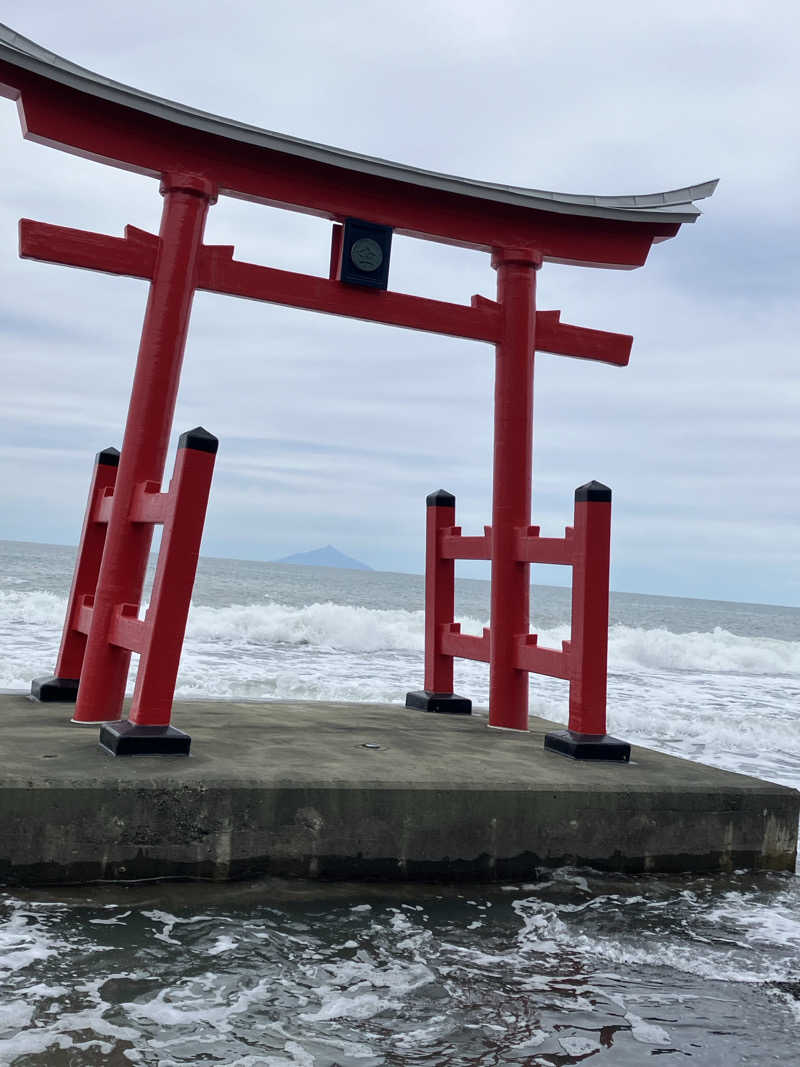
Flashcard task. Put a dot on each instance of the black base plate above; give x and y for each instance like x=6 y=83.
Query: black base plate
x=442 y=703
x=588 y=746
x=125 y=738
x=57 y=690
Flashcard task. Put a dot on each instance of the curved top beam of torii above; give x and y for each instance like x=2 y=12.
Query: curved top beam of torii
x=71 y=108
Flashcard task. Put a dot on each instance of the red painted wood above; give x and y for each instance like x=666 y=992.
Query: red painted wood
x=93 y=251
x=218 y=272
x=104 y=505
x=531 y=548
x=84 y=617
x=165 y=623
x=221 y=274
x=537 y=660
x=587 y=691
x=149 y=504
x=511 y=501
x=144 y=449
x=337 y=237
x=127 y=630
x=439 y=600
x=455 y=546
x=135 y=255
x=564 y=340
x=65 y=118
x=467 y=646
x=87 y=568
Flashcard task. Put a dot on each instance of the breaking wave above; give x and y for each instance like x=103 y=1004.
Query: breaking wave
x=27 y=618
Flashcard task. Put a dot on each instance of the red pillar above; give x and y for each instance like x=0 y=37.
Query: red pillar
x=440 y=592
x=511 y=504
x=174 y=579
x=62 y=686
x=144 y=448
x=440 y=597
x=586 y=737
x=589 y=641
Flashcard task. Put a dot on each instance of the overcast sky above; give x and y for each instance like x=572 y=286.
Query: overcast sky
x=334 y=431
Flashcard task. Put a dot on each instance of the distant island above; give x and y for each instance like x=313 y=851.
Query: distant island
x=325 y=557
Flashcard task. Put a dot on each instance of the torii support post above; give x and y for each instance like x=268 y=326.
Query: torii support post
x=585 y=737
x=62 y=686
x=159 y=636
x=144 y=449
x=511 y=505
x=438 y=695
x=581 y=661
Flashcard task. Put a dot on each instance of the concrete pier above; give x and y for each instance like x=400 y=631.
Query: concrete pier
x=353 y=791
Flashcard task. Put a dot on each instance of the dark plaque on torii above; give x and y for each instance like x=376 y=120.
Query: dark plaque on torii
x=198 y=157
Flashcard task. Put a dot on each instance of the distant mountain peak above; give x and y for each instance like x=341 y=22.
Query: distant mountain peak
x=325 y=557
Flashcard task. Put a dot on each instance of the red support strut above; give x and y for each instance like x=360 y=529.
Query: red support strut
x=589 y=643
x=174 y=579
x=582 y=661
x=62 y=686
x=440 y=592
x=159 y=636
x=586 y=737
x=438 y=695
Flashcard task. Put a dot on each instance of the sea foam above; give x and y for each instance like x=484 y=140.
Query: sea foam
x=30 y=624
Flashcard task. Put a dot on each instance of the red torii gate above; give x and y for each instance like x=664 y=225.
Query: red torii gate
x=198 y=157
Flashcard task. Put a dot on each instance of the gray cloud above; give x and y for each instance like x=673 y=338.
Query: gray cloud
x=335 y=431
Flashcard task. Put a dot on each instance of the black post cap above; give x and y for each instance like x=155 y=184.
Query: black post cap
x=109 y=457
x=593 y=491
x=199 y=439
x=440 y=499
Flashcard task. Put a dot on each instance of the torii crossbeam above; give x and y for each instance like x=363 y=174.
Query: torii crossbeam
x=198 y=157
x=218 y=272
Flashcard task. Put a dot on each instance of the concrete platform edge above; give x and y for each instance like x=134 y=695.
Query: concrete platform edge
x=439 y=800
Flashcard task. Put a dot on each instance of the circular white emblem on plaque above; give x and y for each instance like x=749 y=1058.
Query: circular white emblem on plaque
x=366 y=254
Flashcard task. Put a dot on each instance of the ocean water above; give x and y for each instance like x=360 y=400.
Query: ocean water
x=575 y=966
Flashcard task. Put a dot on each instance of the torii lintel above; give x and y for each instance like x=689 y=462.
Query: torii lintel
x=134 y=255
x=78 y=111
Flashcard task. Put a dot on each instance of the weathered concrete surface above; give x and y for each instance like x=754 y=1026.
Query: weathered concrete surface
x=289 y=789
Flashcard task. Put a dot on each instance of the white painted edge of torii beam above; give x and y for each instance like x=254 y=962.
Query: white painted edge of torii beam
x=675 y=205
